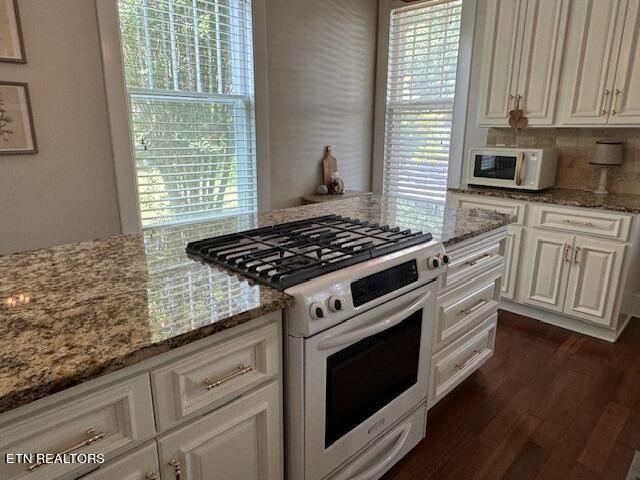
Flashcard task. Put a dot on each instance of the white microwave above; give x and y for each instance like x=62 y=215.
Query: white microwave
x=508 y=167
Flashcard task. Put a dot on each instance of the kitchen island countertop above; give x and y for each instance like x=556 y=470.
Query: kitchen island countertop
x=75 y=312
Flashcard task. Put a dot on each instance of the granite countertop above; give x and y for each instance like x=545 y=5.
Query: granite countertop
x=74 y=312
x=619 y=202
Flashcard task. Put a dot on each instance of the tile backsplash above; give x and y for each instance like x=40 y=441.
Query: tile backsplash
x=576 y=146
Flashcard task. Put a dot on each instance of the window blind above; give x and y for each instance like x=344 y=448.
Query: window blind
x=421 y=80
x=189 y=75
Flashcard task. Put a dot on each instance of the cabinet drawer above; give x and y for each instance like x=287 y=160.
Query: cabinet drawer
x=518 y=210
x=116 y=416
x=600 y=224
x=460 y=359
x=216 y=375
x=141 y=464
x=467 y=264
x=463 y=308
x=385 y=452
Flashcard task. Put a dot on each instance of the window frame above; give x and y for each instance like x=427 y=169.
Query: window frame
x=463 y=77
x=119 y=116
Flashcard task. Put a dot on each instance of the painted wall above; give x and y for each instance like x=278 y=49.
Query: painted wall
x=321 y=65
x=67 y=191
x=321 y=72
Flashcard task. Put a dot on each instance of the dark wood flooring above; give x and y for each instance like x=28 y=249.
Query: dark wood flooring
x=550 y=404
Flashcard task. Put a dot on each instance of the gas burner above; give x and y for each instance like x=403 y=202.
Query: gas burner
x=290 y=253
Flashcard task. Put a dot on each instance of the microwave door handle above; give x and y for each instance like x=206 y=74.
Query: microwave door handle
x=369 y=330
x=376 y=469
x=519 y=162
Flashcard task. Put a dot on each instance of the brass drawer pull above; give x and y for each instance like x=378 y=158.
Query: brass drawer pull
x=175 y=464
x=461 y=366
x=470 y=310
x=615 y=102
x=577 y=256
x=93 y=437
x=604 y=101
x=209 y=385
x=567 y=253
x=579 y=224
x=151 y=476
x=471 y=263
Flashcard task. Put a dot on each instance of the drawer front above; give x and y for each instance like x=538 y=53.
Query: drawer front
x=468 y=264
x=460 y=359
x=518 y=210
x=214 y=376
x=599 y=224
x=107 y=421
x=465 y=307
x=385 y=452
x=141 y=464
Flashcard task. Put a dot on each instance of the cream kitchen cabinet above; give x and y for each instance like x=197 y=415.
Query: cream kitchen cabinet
x=141 y=464
x=575 y=275
x=593 y=279
x=547 y=270
x=241 y=441
x=626 y=101
x=523 y=49
x=603 y=70
x=569 y=266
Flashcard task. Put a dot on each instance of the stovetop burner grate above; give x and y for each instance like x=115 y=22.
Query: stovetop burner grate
x=290 y=253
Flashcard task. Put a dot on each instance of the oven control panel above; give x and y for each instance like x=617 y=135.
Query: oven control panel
x=332 y=298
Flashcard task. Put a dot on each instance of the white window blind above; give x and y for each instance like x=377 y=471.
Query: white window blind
x=421 y=80
x=189 y=76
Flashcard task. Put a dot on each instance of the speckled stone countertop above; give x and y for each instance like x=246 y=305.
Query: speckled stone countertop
x=619 y=202
x=75 y=312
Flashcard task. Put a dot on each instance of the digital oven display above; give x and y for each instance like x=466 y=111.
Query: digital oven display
x=379 y=284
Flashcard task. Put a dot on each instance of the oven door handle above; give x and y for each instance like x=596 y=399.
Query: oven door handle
x=390 y=457
x=369 y=330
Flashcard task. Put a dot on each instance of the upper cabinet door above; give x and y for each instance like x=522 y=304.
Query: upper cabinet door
x=593 y=282
x=592 y=49
x=500 y=60
x=545 y=28
x=626 y=98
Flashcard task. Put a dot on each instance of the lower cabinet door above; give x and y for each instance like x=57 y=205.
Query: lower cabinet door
x=547 y=265
x=240 y=441
x=594 y=279
x=511 y=258
x=141 y=464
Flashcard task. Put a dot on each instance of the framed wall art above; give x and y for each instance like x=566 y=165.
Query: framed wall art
x=11 y=44
x=16 y=121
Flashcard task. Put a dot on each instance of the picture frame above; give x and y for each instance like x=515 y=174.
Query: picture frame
x=11 y=40
x=17 y=134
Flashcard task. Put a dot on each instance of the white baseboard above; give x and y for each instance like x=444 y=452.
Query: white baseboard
x=603 y=333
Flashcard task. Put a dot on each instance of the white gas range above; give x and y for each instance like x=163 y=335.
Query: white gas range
x=357 y=338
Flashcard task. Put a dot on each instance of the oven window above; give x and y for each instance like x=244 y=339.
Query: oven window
x=366 y=376
x=495 y=166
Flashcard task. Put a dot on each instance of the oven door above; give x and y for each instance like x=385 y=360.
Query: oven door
x=363 y=375
x=500 y=169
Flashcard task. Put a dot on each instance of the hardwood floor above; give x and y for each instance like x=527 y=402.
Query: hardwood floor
x=550 y=404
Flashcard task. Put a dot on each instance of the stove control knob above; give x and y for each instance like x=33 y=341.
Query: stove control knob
x=336 y=303
x=318 y=311
x=433 y=263
x=445 y=258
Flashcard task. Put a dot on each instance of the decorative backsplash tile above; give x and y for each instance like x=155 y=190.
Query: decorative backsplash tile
x=576 y=146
